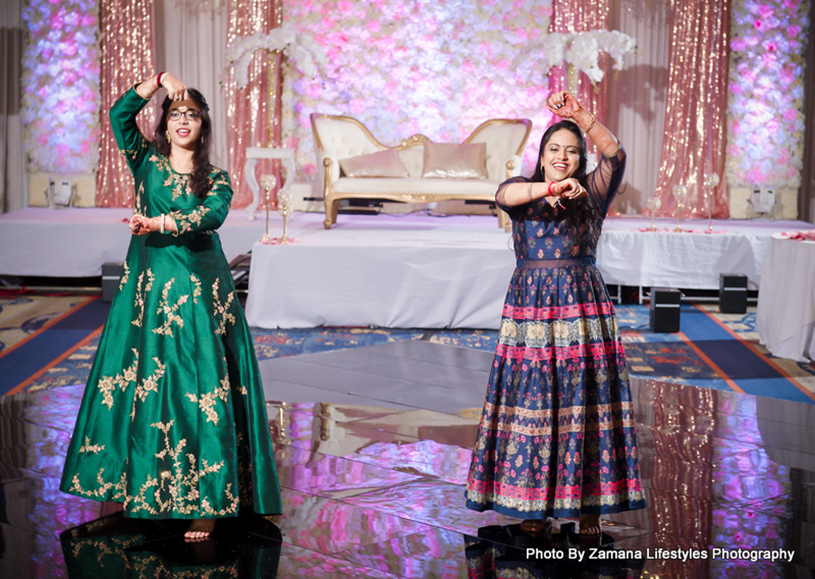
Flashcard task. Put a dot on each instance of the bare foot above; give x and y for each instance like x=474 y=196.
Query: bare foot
x=590 y=525
x=534 y=525
x=199 y=530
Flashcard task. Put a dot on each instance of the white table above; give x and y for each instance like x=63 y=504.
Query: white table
x=395 y=273
x=786 y=299
x=252 y=156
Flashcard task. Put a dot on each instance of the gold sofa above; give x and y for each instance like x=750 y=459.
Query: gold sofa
x=339 y=137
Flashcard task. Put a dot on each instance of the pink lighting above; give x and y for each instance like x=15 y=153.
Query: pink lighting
x=61 y=86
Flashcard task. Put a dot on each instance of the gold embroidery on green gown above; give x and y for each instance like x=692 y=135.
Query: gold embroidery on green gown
x=173 y=421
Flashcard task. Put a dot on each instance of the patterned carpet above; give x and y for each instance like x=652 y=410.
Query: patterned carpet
x=49 y=341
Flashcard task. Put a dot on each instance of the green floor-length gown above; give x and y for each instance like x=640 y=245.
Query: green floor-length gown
x=173 y=421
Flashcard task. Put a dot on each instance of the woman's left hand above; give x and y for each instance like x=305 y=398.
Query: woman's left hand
x=563 y=104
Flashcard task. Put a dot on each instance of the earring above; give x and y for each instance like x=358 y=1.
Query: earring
x=167 y=134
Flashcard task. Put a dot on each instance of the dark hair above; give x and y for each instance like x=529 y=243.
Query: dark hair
x=578 y=211
x=199 y=179
x=580 y=174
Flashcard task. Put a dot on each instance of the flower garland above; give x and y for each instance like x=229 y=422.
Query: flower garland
x=579 y=49
x=419 y=66
x=61 y=96
x=297 y=47
x=766 y=92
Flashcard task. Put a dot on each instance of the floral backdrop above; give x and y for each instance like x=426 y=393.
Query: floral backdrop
x=766 y=92
x=61 y=100
x=436 y=67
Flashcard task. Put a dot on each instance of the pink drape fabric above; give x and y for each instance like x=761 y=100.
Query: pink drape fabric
x=128 y=57
x=249 y=122
x=582 y=16
x=696 y=115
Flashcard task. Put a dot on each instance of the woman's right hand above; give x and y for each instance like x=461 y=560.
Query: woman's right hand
x=176 y=90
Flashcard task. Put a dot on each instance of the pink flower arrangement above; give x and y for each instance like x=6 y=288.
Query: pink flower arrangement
x=61 y=97
x=430 y=67
x=765 y=92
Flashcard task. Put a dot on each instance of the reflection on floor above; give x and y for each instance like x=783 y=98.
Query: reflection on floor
x=372 y=446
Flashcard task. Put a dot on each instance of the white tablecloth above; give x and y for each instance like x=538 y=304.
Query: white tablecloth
x=421 y=272
x=388 y=273
x=628 y=256
x=786 y=299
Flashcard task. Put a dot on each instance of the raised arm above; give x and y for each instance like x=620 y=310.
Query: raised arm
x=174 y=87
x=605 y=180
x=124 y=111
x=564 y=105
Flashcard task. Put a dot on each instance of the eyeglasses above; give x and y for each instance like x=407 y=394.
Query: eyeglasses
x=192 y=115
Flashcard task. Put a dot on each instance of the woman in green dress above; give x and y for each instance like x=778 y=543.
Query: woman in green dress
x=173 y=420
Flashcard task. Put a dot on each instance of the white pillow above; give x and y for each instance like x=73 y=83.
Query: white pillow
x=385 y=163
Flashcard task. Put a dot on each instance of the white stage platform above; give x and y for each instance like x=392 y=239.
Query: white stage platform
x=390 y=270
x=424 y=272
x=76 y=242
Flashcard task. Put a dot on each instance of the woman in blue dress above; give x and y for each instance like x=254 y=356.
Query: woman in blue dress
x=557 y=435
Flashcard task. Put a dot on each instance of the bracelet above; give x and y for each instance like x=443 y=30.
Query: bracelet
x=158 y=79
x=549 y=190
x=593 y=120
x=529 y=192
x=162 y=224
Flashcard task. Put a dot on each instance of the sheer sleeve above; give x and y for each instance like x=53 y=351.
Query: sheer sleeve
x=509 y=181
x=604 y=181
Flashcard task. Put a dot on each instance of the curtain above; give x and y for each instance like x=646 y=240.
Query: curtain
x=13 y=185
x=126 y=42
x=806 y=196
x=191 y=44
x=696 y=114
x=253 y=111
x=637 y=98
x=581 y=16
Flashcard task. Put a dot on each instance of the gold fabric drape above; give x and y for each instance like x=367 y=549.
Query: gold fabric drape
x=249 y=122
x=128 y=57
x=582 y=16
x=696 y=115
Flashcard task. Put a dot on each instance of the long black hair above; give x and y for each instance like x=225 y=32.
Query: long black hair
x=578 y=211
x=199 y=178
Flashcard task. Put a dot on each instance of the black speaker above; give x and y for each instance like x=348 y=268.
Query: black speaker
x=732 y=293
x=111 y=272
x=664 y=309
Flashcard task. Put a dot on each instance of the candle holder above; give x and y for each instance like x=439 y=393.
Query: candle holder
x=284 y=198
x=680 y=192
x=711 y=180
x=654 y=203
x=267 y=182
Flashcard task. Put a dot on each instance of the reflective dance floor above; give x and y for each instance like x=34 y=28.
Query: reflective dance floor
x=372 y=447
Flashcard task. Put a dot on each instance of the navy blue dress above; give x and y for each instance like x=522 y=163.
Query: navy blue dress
x=557 y=434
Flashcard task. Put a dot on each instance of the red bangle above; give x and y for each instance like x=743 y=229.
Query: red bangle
x=549 y=190
x=158 y=79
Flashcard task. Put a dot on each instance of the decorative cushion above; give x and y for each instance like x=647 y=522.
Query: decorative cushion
x=382 y=164
x=455 y=161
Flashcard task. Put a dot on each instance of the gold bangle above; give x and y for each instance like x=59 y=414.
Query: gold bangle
x=593 y=120
x=529 y=192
